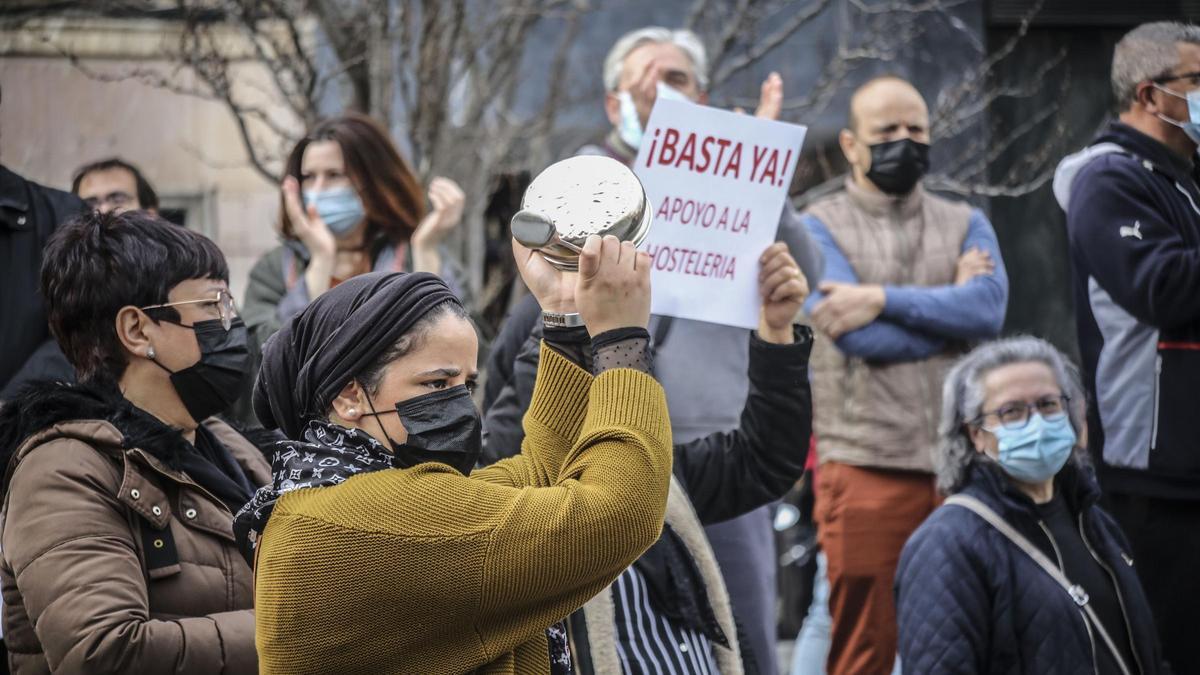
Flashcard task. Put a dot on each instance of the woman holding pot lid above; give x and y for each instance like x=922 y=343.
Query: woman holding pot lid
x=1020 y=571
x=377 y=549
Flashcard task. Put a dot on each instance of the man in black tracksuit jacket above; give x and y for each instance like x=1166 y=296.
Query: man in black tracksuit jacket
x=1133 y=221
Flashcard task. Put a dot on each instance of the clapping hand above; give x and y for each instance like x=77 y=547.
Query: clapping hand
x=446 y=200
x=307 y=226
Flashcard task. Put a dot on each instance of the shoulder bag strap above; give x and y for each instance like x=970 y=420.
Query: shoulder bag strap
x=1077 y=593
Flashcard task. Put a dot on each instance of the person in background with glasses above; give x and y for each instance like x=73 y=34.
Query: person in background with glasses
x=116 y=533
x=114 y=185
x=968 y=597
x=1133 y=225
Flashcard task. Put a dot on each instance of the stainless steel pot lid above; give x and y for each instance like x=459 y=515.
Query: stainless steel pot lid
x=581 y=196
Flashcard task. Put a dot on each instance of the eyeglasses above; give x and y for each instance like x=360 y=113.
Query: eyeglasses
x=1016 y=415
x=223 y=300
x=114 y=199
x=1171 y=78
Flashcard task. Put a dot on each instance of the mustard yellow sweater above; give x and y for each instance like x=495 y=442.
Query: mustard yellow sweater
x=422 y=570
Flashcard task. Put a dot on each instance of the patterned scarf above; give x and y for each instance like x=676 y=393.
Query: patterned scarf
x=331 y=455
x=328 y=455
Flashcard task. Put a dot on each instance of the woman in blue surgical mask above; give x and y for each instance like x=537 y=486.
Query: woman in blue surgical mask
x=349 y=205
x=1020 y=571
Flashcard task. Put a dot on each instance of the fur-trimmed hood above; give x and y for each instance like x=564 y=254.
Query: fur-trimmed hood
x=87 y=477
x=42 y=405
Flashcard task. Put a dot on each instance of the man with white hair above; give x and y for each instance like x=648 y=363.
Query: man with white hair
x=650 y=62
x=702 y=366
x=1133 y=222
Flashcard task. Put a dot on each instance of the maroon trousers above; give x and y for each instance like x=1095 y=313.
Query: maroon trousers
x=864 y=516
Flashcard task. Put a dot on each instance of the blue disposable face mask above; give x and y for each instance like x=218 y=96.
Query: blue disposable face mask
x=630 y=129
x=1192 y=126
x=1036 y=452
x=340 y=208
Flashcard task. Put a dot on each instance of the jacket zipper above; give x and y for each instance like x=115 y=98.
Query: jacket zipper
x=1086 y=626
x=1157 y=394
x=1120 y=598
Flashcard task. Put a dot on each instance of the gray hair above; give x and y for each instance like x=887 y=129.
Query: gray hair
x=1145 y=53
x=685 y=40
x=963 y=395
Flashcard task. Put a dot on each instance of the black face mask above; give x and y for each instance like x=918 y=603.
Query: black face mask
x=443 y=426
x=213 y=383
x=896 y=166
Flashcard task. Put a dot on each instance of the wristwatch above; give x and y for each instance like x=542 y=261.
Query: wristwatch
x=558 y=320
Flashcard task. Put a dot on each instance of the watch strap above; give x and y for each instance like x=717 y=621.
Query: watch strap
x=558 y=320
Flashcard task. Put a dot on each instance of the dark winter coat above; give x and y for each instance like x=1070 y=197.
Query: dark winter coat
x=113 y=559
x=969 y=601
x=1133 y=221
x=29 y=214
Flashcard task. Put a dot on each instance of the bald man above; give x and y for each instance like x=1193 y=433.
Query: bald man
x=910 y=279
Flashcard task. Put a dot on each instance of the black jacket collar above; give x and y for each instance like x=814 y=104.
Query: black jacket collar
x=1147 y=148
x=14 y=196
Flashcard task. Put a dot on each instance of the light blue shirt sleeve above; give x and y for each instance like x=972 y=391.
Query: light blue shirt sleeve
x=880 y=340
x=972 y=311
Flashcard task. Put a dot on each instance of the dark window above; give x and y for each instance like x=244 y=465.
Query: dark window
x=177 y=216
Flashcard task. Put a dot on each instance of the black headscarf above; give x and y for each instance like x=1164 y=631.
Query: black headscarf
x=343 y=331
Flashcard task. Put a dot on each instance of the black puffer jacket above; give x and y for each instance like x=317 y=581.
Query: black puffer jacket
x=969 y=601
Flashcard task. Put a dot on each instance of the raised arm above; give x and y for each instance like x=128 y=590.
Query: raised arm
x=551 y=424
x=972 y=310
x=731 y=472
x=878 y=340
x=556 y=547
x=559 y=546
x=539 y=463
x=550 y=427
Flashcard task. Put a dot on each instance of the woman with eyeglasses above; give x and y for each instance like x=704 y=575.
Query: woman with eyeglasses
x=1020 y=571
x=118 y=552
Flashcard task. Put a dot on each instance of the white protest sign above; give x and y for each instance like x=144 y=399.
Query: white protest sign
x=716 y=181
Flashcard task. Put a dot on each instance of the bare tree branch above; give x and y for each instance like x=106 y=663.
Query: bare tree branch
x=542 y=129
x=757 y=51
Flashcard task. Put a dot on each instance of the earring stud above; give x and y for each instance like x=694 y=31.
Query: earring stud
x=150 y=353
x=353 y=412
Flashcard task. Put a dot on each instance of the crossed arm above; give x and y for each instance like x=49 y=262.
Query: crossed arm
x=902 y=323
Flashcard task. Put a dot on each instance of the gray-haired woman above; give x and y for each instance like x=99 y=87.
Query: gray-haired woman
x=1020 y=571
